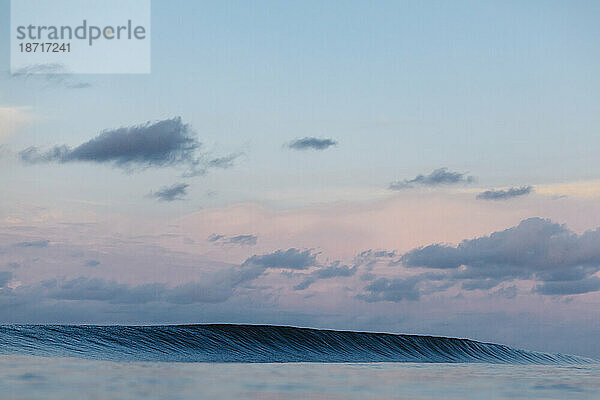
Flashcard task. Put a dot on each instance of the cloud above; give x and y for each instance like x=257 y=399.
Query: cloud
x=100 y=290
x=334 y=270
x=395 y=290
x=52 y=73
x=224 y=162
x=171 y=193
x=5 y=277
x=505 y=194
x=509 y=292
x=440 y=176
x=196 y=292
x=288 y=259
x=35 y=243
x=92 y=263
x=585 y=285
x=240 y=240
x=95 y=289
x=536 y=249
x=311 y=143
x=216 y=238
x=214 y=288
x=166 y=143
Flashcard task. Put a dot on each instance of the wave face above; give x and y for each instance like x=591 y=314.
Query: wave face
x=255 y=343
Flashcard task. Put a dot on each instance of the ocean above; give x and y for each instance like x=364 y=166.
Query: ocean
x=272 y=362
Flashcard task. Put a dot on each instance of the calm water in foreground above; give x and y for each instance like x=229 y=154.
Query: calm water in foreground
x=31 y=377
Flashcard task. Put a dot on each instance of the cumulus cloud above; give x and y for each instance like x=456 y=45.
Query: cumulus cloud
x=536 y=249
x=311 y=143
x=239 y=240
x=166 y=143
x=440 y=176
x=171 y=193
x=505 y=194
x=51 y=73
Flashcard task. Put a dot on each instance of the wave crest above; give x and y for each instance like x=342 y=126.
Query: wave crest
x=255 y=343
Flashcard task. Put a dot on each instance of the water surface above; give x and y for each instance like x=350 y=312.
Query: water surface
x=30 y=377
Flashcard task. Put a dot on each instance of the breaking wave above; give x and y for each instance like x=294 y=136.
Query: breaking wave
x=255 y=343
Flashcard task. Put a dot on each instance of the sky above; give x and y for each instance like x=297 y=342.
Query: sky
x=420 y=167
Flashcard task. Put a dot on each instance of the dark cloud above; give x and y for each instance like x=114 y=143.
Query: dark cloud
x=536 y=249
x=395 y=290
x=288 y=259
x=311 y=143
x=53 y=74
x=13 y=265
x=171 y=193
x=438 y=177
x=35 y=243
x=239 y=240
x=505 y=194
x=166 y=143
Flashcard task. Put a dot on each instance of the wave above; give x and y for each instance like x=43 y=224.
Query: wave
x=255 y=344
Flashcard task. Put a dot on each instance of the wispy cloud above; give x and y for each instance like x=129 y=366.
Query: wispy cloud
x=335 y=270
x=35 y=243
x=505 y=194
x=438 y=177
x=240 y=240
x=174 y=192
x=52 y=74
x=224 y=162
x=311 y=143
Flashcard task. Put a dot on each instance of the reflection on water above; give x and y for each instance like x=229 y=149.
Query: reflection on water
x=28 y=377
